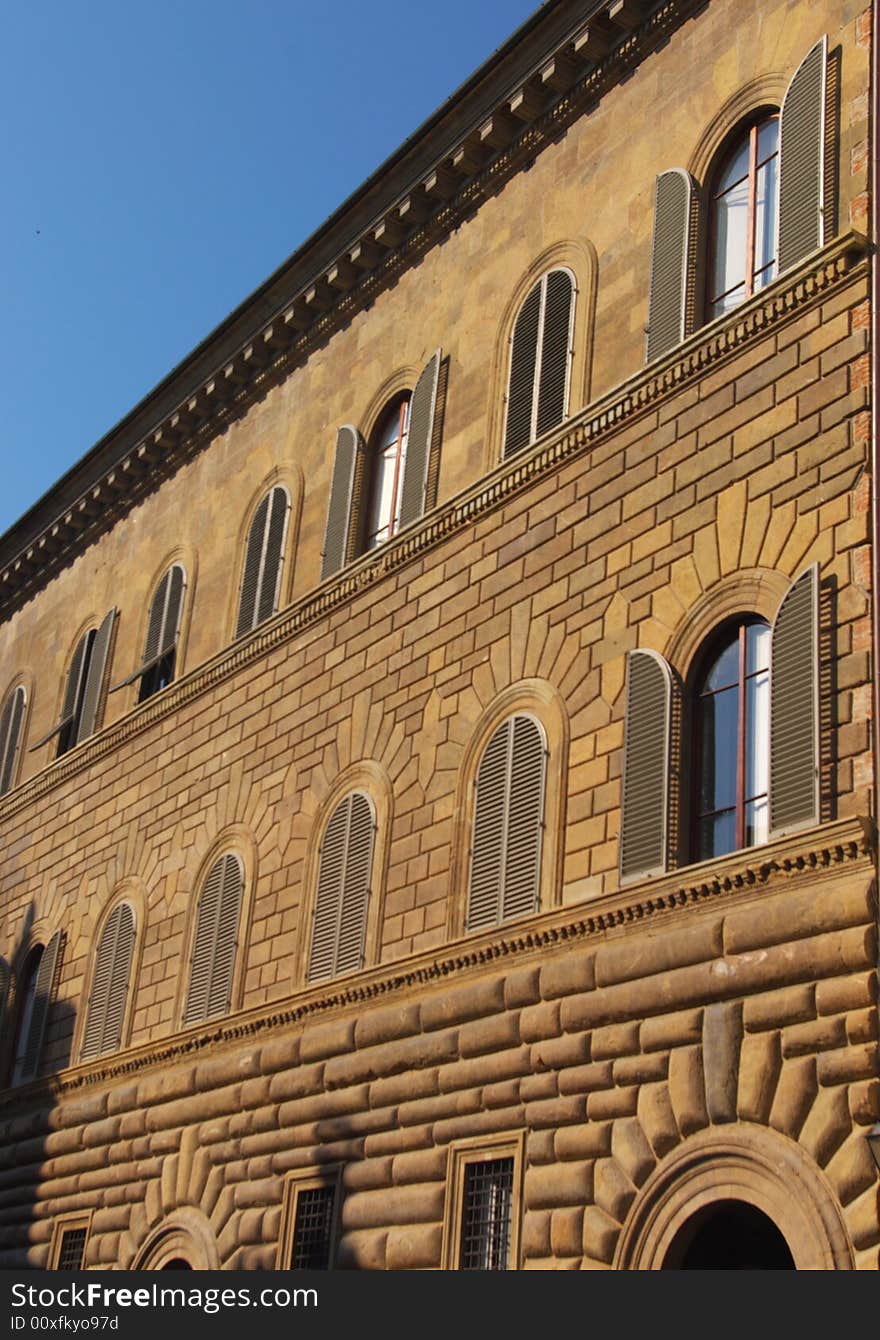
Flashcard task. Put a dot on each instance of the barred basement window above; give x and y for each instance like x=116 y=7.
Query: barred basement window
x=343 y=893
x=215 y=941
x=540 y=361
x=483 y=1206
x=110 y=984
x=308 y=1221
x=261 y=576
x=69 y=1238
x=156 y=670
x=11 y=721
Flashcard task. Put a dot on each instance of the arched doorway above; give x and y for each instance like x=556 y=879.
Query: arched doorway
x=176 y=1263
x=729 y=1235
x=184 y=1241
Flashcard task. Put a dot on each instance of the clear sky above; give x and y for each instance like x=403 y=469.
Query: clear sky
x=159 y=160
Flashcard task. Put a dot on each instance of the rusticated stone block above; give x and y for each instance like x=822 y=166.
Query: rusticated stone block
x=567 y=976
x=795 y=1093
x=123 y=1098
x=827 y=1125
x=522 y=988
x=631 y=1150
x=175 y=1083
x=230 y=1068
x=408 y=1085
x=418 y=1053
x=482 y=1070
x=279 y=1054
x=657 y=1118
x=850 y=1063
x=326 y=1040
x=421 y=1165
x=863 y=1220
x=852 y=1170
x=640 y=956
x=82 y=1111
x=298 y=1083
x=554 y=1053
x=555 y=1112
x=687 y=1090
x=836 y=995
x=505 y=1094
x=415 y=1248
x=671 y=1030
x=375 y=1027
x=416 y=1204
x=816 y=1036
x=535 y=1238
x=534 y=1087
x=586 y=1078
x=864 y=1102
x=480 y=1123
x=607 y=1104
x=808 y=912
x=773 y=1009
x=613 y=1191
x=722 y=1036
x=615 y=1040
x=539 y=1147
x=365 y=1250
x=861 y=1026
x=558 y=1185
x=640 y=1069
x=368 y=1174
x=250 y=1227
x=760 y=1066
x=355 y=1123
x=590 y=1141
x=489 y=1035
x=600 y=1234
x=566 y=1233
x=322 y=1106
x=444 y=1105
x=460 y=1004
x=538 y=1022
x=59 y=1142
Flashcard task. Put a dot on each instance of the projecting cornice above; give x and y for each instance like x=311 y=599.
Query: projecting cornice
x=555 y=69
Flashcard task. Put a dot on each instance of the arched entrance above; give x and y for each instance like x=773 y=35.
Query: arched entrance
x=176 y=1263
x=184 y=1241
x=729 y=1235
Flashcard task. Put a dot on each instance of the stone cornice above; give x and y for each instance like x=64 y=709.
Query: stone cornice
x=825 y=272
x=813 y=854
x=565 y=81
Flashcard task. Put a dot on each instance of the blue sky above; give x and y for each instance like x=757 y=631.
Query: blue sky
x=160 y=160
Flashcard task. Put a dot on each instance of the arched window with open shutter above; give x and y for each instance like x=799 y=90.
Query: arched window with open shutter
x=159 y=662
x=34 y=1000
x=345 y=868
x=264 y=553
x=83 y=689
x=508 y=825
x=674 y=201
x=11 y=723
x=110 y=984
x=215 y=941
x=540 y=361
x=802 y=159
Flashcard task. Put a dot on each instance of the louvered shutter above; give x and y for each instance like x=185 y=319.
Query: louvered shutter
x=110 y=984
x=171 y=623
x=44 y=997
x=645 y=794
x=801 y=160
x=343 y=893
x=523 y=364
x=273 y=549
x=95 y=679
x=203 y=946
x=418 y=444
x=337 y=538
x=555 y=350
x=4 y=997
x=522 y=866
x=247 y=602
x=157 y=621
x=794 y=707
x=490 y=831
x=10 y=733
x=213 y=962
x=667 y=304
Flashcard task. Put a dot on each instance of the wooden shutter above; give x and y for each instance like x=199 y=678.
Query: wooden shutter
x=72 y=695
x=337 y=537
x=91 y=699
x=645 y=792
x=343 y=893
x=794 y=707
x=508 y=824
x=4 y=997
x=523 y=366
x=272 y=555
x=110 y=984
x=667 y=306
x=555 y=350
x=250 y=580
x=164 y=623
x=213 y=960
x=44 y=998
x=418 y=443
x=801 y=160
x=10 y=734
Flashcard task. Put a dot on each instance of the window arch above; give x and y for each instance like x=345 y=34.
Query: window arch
x=540 y=360
x=11 y=724
x=263 y=561
x=508 y=824
x=345 y=869
x=34 y=999
x=110 y=986
x=215 y=941
x=742 y=244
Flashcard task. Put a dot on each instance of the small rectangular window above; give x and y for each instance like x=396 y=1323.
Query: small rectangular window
x=308 y=1224
x=482 y=1221
x=69 y=1240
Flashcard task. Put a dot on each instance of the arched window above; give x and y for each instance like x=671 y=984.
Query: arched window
x=11 y=720
x=731 y=705
x=83 y=690
x=540 y=361
x=261 y=575
x=34 y=999
x=215 y=941
x=386 y=461
x=343 y=894
x=110 y=984
x=505 y=865
x=160 y=651
x=743 y=217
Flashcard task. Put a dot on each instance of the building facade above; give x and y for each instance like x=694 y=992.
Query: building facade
x=438 y=801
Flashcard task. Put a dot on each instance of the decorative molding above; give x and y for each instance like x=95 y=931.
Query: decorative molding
x=818 y=853
x=827 y=271
x=566 y=83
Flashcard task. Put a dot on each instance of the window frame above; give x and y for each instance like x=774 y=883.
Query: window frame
x=295 y=1183
x=231 y=845
x=265 y=493
x=462 y=1155
x=135 y=906
x=368 y=539
x=748 y=130
x=12 y=758
x=67 y=1223
x=541 y=284
x=347 y=795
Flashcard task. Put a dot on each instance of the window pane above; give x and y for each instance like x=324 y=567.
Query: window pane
x=757 y=648
x=737 y=168
x=718 y=723
x=383 y=489
x=725 y=670
x=729 y=301
x=717 y=835
x=756 y=822
x=485 y=1230
x=731 y=223
x=765 y=218
x=757 y=734
x=768 y=139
